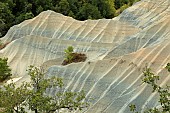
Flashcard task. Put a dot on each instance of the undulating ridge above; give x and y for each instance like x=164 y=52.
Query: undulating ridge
x=117 y=51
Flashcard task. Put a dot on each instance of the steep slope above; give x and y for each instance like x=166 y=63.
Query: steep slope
x=117 y=49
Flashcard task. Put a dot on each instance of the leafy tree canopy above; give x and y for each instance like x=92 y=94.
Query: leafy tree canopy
x=35 y=95
x=5 y=71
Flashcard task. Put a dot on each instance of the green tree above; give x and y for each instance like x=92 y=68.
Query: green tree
x=40 y=101
x=164 y=92
x=88 y=10
x=71 y=56
x=74 y=7
x=131 y=2
x=5 y=71
x=122 y=8
x=24 y=16
x=6 y=18
x=12 y=99
x=107 y=8
x=45 y=4
x=118 y=4
x=35 y=95
x=68 y=54
x=71 y=14
x=39 y=9
x=64 y=7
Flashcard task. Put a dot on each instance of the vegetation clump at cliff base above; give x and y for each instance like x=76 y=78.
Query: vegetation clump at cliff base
x=71 y=56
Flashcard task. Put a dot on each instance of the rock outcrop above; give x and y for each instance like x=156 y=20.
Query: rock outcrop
x=117 y=51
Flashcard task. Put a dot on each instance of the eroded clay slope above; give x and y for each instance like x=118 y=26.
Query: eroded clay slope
x=117 y=49
x=114 y=84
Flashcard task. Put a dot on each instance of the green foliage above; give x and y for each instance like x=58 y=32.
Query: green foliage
x=15 y=11
x=69 y=100
x=164 y=92
x=122 y=8
x=168 y=67
x=6 y=18
x=5 y=71
x=107 y=8
x=12 y=98
x=70 y=49
x=68 y=54
x=23 y=17
x=64 y=7
x=35 y=96
x=71 y=56
x=132 y=107
x=40 y=101
x=150 y=78
x=88 y=11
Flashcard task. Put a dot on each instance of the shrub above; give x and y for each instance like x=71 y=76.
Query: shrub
x=70 y=56
x=5 y=71
x=35 y=96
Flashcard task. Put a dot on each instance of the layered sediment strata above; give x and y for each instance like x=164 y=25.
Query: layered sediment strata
x=117 y=51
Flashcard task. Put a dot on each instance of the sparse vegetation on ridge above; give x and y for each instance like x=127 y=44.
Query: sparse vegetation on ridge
x=164 y=92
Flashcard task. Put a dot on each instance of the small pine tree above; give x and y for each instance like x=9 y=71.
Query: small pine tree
x=68 y=54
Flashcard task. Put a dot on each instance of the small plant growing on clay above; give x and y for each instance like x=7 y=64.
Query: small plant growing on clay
x=69 y=54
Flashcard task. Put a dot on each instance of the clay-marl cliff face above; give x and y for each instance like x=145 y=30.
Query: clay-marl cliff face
x=117 y=50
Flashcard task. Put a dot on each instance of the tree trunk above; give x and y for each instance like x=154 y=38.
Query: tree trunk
x=36 y=111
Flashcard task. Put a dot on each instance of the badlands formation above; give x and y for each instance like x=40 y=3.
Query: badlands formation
x=117 y=49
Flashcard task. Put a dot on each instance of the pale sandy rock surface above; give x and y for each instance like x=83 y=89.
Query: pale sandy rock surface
x=117 y=49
